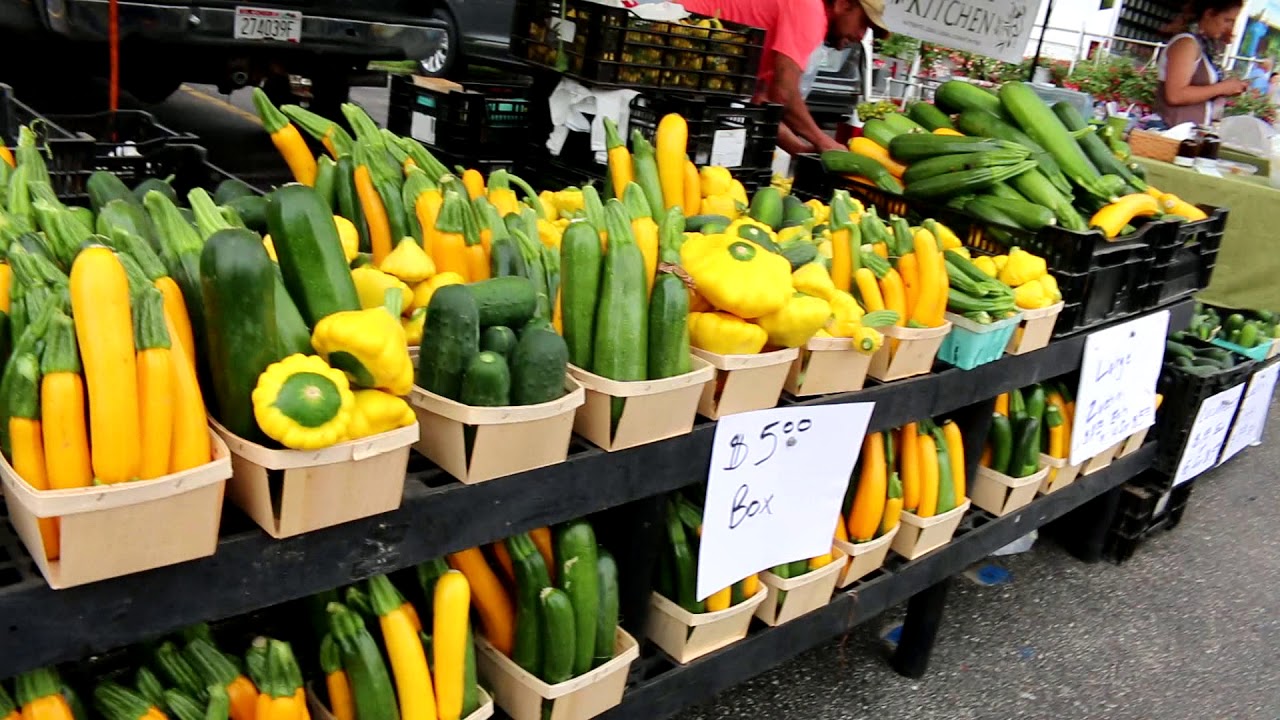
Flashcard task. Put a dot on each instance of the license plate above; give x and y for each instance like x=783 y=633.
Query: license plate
x=266 y=24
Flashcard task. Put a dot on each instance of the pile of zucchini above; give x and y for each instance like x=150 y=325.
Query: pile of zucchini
x=1248 y=329
x=677 y=571
x=1028 y=425
x=1184 y=352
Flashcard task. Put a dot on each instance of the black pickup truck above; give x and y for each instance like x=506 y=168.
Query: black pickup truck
x=221 y=42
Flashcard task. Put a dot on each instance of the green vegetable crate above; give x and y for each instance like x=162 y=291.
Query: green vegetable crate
x=652 y=410
x=1258 y=353
x=319 y=711
x=686 y=636
x=789 y=598
x=181 y=513
x=828 y=365
x=504 y=440
x=1035 y=331
x=970 y=344
x=744 y=382
x=918 y=536
x=523 y=696
x=319 y=488
x=864 y=558
x=1061 y=473
x=913 y=353
x=1001 y=494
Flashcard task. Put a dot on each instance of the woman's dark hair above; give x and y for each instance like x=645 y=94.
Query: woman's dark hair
x=1196 y=9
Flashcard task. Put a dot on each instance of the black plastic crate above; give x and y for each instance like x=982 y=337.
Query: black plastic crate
x=1183 y=393
x=1147 y=506
x=1184 y=261
x=487 y=119
x=546 y=171
x=1110 y=290
x=185 y=164
x=123 y=131
x=612 y=46
x=715 y=126
x=67 y=152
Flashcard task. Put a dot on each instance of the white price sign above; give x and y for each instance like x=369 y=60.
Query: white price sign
x=1209 y=431
x=1117 y=393
x=1252 y=419
x=775 y=488
x=996 y=28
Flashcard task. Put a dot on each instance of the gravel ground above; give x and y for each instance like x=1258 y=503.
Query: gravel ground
x=1187 y=628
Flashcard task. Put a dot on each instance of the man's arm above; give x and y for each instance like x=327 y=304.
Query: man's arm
x=792 y=143
x=785 y=90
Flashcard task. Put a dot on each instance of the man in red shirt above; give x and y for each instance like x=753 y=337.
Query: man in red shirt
x=794 y=29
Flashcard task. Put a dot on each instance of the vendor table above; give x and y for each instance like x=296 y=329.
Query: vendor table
x=1248 y=264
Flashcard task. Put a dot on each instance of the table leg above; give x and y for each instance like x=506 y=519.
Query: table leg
x=919 y=630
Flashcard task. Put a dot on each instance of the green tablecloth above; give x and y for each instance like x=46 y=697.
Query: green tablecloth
x=1247 y=275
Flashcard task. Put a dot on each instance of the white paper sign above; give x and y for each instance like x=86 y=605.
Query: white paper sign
x=1252 y=419
x=1209 y=431
x=728 y=147
x=775 y=489
x=996 y=28
x=1117 y=393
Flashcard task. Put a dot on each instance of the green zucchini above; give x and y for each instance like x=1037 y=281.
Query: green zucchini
x=112 y=700
x=295 y=336
x=1038 y=189
x=580 y=580
x=127 y=216
x=620 y=350
x=580 y=269
x=178 y=671
x=180 y=705
x=683 y=562
x=645 y=168
x=913 y=148
x=902 y=124
x=153 y=184
x=607 y=615
x=984 y=124
x=538 y=365
x=451 y=337
x=1000 y=435
x=943 y=164
x=957 y=96
x=980 y=207
x=965 y=181
x=558 y=652
x=506 y=301
x=947 y=500
x=532 y=577
x=371 y=687
x=238 y=294
x=1038 y=121
x=252 y=210
x=668 y=327
x=879 y=132
x=232 y=188
x=929 y=116
x=310 y=254
x=848 y=163
x=326 y=182
x=487 y=382
x=103 y=187
x=1098 y=152
x=347 y=202
x=1026 y=448
x=149 y=686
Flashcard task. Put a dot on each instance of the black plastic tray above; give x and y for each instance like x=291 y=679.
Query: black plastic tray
x=481 y=121
x=1184 y=264
x=1183 y=394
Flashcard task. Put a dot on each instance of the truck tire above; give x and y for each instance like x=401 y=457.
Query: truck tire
x=440 y=62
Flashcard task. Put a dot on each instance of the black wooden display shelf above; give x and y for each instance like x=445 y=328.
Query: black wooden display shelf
x=672 y=688
x=250 y=570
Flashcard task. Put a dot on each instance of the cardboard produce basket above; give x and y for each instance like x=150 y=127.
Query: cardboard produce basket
x=914 y=354
x=970 y=344
x=828 y=365
x=744 y=382
x=1035 y=331
x=686 y=636
x=1001 y=494
x=804 y=594
x=918 y=536
x=319 y=711
x=654 y=410
x=1061 y=473
x=864 y=558
x=318 y=488
x=521 y=695
x=1102 y=460
x=174 y=519
x=1132 y=443
x=507 y=440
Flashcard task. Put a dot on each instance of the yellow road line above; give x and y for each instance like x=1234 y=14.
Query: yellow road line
x=219 y=102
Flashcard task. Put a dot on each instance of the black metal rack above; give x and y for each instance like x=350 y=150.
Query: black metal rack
x=251 y=571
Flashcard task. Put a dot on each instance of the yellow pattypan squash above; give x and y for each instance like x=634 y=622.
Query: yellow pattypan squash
x=725 y=334
x=376 y=412
x=715 y=180
x=797 y=321
x=1021 y=268
x=737 y=275
x=846 y=314
x=1031 y=296
x=349 y=236
x=303 y=403
x=413 y=326
x=368 y=345
x=372 y=285
x=986 y=265
x=408 y=263
x=1050 y=284
x=423 y=291
x=813 y=279
x=720 y=205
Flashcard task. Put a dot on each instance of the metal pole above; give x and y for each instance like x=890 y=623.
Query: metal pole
x=1035 y=61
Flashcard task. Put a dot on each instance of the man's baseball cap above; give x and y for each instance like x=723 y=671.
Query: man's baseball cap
x=875 y=13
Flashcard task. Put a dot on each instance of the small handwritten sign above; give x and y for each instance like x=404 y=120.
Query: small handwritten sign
x=1252 y=419
x=1117 y=393
x=1209 y=431
x=775 y=488
x=995 y=28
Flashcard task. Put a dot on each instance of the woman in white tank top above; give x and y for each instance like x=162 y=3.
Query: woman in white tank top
x=1192 y=87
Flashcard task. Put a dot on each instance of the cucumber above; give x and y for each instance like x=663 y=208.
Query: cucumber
x=985 y=124
x=696 y=223
x=506 y=301
x=580 y=259
x=127 y=216
x=558 y=651
x=487 y=382
x=879 y=132
x=538 y=365
x=1027 y=215
x=929 y=116
x=607 y=614
x=295 y=336
x=766 y=206
x=159 y=185
x=1001 y=438
x=252 y=209
x=902 y=124
x=848 y=163
x=237 y=282
x=956 y=96
x=498 y=339
x=451 y=338
x=310 y=254
x=580 y=580
x=668 y=327
x=231 y=189
x=532 y=578
x=103 y=187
